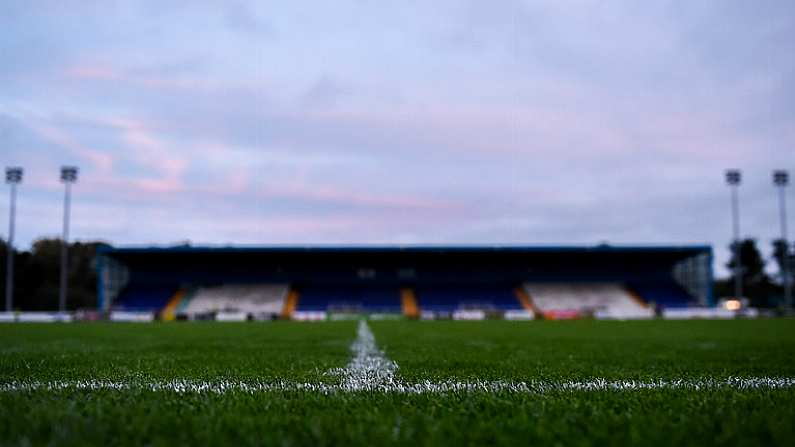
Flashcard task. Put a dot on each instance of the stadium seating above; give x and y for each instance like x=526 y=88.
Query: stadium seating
x=663 y=294
x=253 y=299
x=604 y=300
x=144 y=297
x=553 y=300
x=345 y=298
x=449 y=298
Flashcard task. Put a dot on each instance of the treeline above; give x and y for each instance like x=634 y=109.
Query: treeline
x=758 y=286
x=37 y=275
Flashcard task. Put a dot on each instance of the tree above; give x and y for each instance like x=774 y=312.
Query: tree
x=752 y=263
x=757 y=286
x=784 y=255
x=37 y=275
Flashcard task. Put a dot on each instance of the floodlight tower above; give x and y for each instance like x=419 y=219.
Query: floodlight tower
x=13 y=178
x=733 y=179
x=68 y=176
x=781 y=180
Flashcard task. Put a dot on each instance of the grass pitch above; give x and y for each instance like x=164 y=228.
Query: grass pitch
x=543 y=352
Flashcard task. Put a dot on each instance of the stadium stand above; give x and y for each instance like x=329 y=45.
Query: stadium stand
x=349 y=298
x=251 y=299
x=450 y=298
x=606 y=300
x=419 y=281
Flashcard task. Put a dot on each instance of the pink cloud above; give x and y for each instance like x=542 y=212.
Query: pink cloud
x=101 y=161
x=106 y=73
x=93 y=72
x=147 y=150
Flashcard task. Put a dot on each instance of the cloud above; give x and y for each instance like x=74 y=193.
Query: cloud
x=325 y=92
x=244 y=17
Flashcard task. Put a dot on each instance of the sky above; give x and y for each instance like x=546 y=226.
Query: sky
x=398 y=122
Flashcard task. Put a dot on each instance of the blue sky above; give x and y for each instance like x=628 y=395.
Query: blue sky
x=442 y=122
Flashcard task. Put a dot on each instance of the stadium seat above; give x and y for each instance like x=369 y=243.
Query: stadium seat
x=145 y=297
x=252 y=299
x=604 y=300
x=453 y=297
x=349 y=298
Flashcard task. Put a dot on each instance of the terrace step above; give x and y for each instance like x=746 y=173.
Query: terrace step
x=290 y=303
x=169 y=312
x=408 y=302
x=526 y=301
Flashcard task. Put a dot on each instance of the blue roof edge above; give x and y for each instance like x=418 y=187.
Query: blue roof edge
x=603 y=248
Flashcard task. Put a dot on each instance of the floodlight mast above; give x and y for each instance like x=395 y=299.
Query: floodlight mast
x=733 y=179
x=68 y=176
x=13 y=178
x=781 y=180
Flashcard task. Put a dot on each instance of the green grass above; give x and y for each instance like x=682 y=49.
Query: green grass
x=491 y=350
x=169 y=351
x=574 y=350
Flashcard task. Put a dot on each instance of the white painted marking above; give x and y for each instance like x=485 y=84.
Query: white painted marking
x=444 y=387
x=371 y=371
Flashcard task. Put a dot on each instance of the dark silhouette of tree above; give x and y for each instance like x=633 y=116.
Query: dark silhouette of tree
x=37 y=275
x=782 y=253
x=757 y=285
x=751 y=260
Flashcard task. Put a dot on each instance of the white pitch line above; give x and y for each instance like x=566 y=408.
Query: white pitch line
x=370 y=370
x=444 y=387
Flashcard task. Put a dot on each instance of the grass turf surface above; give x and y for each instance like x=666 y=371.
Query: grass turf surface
x=492 y=350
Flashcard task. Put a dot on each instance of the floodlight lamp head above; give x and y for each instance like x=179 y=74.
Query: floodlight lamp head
x=733 y=177
x=14 y=175
x=68 y=174
x=780 y=178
